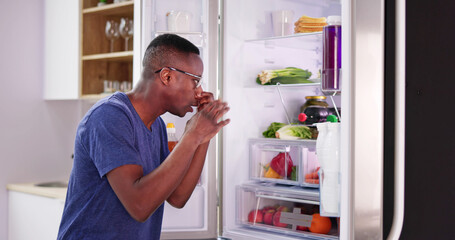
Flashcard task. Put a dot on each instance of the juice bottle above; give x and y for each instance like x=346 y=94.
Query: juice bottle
x=331 y=51
x=171 y=138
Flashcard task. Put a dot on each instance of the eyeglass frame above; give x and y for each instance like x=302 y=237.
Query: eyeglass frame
x=198 y=82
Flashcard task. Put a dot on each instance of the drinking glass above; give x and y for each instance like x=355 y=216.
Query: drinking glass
x=112 y=32
x=126 y=30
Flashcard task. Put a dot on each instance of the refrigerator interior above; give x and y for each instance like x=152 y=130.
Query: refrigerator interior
x=248 y=48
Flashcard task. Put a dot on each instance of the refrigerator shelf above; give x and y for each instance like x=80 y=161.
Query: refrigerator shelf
x=281 y=141
x=306 y=41
x=197 y=38
x=316 y=82
x=296 y=233
x=315 y=36
x=259 y=203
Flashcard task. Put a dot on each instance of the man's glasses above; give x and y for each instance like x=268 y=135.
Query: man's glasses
x=198 y=79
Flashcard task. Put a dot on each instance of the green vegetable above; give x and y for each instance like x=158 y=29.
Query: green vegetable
x=294 y=173
x=270 y=132
x=294 y=132
x=289 y=75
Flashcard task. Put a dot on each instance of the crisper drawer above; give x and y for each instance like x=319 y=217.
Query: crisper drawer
x=290 y=162
x=286 y=210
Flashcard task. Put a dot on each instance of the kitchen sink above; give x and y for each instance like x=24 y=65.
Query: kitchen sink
x=58 y=184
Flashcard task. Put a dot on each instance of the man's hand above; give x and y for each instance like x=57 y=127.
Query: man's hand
x=203 y=99
x=205 y=124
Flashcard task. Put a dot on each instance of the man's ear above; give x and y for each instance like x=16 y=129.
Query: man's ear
x=165 y=76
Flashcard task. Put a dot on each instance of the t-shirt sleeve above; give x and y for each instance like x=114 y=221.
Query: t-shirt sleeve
x=165 y=148
x=111 y=139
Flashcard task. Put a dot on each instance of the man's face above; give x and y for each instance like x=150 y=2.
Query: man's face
x=185 y=87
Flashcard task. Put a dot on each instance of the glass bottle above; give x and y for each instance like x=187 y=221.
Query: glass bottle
x=314 y=110
x=331 y=52
x=171 y=138
x=314 y=101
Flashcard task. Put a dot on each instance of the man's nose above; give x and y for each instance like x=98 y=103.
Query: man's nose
x=199 y=91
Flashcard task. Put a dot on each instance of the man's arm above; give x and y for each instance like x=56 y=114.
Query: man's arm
x=183 y=192
x=142 y=195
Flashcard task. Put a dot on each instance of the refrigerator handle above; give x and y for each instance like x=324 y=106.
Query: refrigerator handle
x=400 y=84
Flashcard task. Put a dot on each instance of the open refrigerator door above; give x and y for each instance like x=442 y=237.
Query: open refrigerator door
x=197 y=21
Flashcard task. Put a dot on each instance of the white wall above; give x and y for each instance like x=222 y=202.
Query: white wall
x=36 y=136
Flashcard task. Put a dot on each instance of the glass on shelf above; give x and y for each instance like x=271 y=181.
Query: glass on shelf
x=111 y=86
x=112 y=32
x=126 y=30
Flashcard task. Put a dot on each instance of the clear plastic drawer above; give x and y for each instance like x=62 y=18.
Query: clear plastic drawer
x=290 y=162
x=284 y=210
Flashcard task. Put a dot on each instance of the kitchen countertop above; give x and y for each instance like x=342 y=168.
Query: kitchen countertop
x=31 y=188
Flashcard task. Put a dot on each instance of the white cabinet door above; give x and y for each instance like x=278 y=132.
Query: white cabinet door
x=61 y=49
x=33 y=217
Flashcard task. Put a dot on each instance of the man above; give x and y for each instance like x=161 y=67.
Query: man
x=122 y=171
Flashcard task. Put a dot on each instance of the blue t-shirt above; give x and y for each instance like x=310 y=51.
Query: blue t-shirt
x=110 y=135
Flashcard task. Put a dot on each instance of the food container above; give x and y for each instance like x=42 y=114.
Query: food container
x=316 y=114
x=314 y=101
x=289 y=162
x=283 y=210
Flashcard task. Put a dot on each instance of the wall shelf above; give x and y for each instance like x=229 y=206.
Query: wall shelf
x=97 y=62
x=116 y=56
x=111 y=9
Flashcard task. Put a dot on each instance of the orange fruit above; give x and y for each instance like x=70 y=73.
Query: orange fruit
x=320 y=224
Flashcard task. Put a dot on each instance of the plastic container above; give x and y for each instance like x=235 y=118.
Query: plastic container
x=286 y=162
x=328 y=151
x=331 y=52
x=284 y=210
x=171 y=138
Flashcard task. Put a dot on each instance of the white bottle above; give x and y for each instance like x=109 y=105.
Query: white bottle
x=332 y=144
x=329 y=180
x=320 y=142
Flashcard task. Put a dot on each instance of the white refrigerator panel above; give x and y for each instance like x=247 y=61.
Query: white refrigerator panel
x=198 y=219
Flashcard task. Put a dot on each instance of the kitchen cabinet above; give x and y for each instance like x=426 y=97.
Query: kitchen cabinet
x=98 y=62
x=78 y=56
x=61 y=49
x=33 y=216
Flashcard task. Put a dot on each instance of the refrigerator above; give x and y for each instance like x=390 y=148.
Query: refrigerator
x=387 y=189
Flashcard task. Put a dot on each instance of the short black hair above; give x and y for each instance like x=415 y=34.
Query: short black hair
x=162 y=50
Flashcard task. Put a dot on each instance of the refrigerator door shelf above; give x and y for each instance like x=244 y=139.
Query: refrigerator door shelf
x=197 y=38
x=287 y=162
x=288 y=211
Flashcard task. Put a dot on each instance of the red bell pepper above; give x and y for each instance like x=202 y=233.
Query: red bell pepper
x=282 y=164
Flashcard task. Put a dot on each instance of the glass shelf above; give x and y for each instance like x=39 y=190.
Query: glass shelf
x=298 y=40
x=197 y=38
x=294 y=85
x=316 y=82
